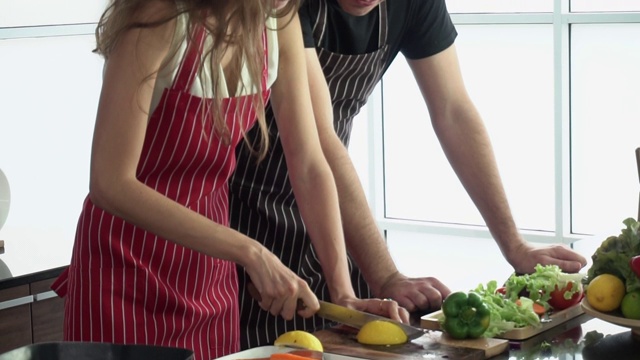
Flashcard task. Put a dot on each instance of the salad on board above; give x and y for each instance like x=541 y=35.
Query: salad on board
x=522 y=301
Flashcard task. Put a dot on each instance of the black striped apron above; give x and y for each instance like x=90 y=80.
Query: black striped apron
x=262 y=203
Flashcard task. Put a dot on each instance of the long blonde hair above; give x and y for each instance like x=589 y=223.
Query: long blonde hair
x=238 y=23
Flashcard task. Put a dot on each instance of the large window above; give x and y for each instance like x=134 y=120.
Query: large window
x=605 y=124
x=512 y=85
x=558 y=90
x=555 y=80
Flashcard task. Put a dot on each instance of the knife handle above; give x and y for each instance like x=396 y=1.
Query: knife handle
x=253 y=291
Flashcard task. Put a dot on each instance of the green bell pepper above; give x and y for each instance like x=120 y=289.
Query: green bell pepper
x=465 y=315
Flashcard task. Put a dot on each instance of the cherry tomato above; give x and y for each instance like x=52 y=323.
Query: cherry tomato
x=557 y=300
x=501 y=290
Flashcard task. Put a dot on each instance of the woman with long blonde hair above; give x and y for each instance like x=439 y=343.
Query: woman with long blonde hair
x=154 y=261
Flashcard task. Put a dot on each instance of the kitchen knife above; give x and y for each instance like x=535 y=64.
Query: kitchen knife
x=347 y=316
x=357 y=319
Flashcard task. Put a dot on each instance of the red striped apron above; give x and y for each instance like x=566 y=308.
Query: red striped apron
x=128 y=286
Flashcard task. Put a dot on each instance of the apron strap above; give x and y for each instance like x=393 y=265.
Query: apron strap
x=188 y=68
x=320 y=22
x=383 y=26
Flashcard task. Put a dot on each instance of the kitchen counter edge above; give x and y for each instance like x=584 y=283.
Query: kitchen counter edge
x=30 y=278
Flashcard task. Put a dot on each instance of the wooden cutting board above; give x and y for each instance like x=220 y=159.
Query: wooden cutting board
x=433 y=345
x=432 y=321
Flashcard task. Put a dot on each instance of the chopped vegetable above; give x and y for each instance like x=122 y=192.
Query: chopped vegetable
x=561 y=298
x=465 y=315
x=614 y=255
x=313 y=354
x=506 y=315
x=542 y=283
x=537 y=308
x=289 y=356
x=511 y=310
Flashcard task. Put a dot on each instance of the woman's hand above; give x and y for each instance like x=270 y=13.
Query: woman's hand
x=383 y=307
x=278 y=289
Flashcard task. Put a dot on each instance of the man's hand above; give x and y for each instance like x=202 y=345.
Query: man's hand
x=525 y=258
x=415 y=294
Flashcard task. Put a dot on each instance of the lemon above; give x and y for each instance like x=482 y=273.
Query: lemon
x=380 y=332
x=299 y=339
x=605 y=292
x=630 y=305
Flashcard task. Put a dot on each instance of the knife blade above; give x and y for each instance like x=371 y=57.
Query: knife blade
x=351 y=317
x=357 y=319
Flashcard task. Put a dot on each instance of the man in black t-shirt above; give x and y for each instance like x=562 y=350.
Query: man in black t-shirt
x=350 y=44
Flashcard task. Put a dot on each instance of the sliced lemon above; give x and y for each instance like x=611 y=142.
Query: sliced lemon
x=380 y=332
x=299 y=339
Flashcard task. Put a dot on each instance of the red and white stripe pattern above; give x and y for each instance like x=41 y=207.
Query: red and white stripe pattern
x=129 y=286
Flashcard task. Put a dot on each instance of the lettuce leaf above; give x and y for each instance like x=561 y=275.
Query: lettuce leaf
x=539 y=285
x=506 y=314
x=613 y=255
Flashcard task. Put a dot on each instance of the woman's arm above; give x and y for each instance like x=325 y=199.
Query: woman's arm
x=117 y=144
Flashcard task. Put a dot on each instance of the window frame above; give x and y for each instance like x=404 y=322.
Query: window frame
x=561 y=19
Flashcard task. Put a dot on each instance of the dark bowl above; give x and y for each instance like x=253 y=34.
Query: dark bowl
x=95 y=351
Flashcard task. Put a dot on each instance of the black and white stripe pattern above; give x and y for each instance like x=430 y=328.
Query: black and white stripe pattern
x=262 y=203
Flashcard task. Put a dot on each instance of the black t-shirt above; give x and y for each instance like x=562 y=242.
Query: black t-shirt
x=417 y=28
